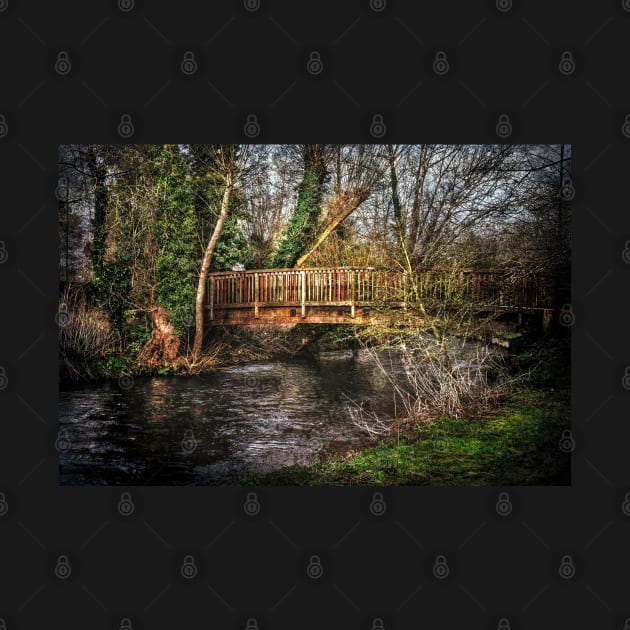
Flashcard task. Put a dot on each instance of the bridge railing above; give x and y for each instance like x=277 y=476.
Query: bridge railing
x=296 y=287
x=366 y=285
x=496 y=288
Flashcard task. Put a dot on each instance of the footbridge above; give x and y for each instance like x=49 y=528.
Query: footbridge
x=360 y=295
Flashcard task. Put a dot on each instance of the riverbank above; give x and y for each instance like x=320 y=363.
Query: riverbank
x=289 y=421
x=518 y=444
x=228 y=347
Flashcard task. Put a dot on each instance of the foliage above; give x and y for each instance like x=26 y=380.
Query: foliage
x=337 y=336
x=138 y=332
x=301 y=228
x=232 y=250
x=113 y=366
x=177 y=253
x=546 y=361
x=112 y=284
x=98 y=174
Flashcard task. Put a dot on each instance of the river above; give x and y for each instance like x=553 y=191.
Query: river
x=212 y=429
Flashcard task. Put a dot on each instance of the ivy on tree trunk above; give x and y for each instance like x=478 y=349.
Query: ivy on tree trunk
x=301 y=229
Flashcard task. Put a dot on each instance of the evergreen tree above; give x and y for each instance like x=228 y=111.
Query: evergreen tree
x=232 y=250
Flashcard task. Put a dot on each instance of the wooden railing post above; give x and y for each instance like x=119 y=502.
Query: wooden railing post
x=303 y=281
x=256 y=294
x=352 y=294
x=211 y=283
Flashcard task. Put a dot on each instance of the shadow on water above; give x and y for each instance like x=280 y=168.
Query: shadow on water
x=212 y=429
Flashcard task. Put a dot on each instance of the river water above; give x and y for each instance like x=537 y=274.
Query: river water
x=212 y=429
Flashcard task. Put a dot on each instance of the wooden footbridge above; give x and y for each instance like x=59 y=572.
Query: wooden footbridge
x=358 y=295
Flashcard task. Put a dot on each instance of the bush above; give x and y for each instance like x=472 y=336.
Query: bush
x=85 y=335
x=435 y=384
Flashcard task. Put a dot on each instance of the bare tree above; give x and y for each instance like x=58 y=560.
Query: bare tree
x=358 y=171
x=268 y=191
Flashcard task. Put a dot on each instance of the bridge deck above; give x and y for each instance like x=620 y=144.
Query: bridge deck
x=352 y=294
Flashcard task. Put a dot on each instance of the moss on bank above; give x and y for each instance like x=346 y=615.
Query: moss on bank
x=516 y=445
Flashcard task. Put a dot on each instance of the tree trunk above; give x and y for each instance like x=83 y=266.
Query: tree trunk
x=98 y=174
x=349 y=207
x=393 y=176
x=205 y=265
x=414 y=223
x=163 y=346
x=298 y=233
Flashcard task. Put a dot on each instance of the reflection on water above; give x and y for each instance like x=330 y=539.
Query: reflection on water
x=214 y=428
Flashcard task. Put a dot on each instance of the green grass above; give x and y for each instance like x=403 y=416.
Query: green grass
x=516 y=445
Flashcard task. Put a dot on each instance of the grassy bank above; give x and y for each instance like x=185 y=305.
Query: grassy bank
x=515 y=445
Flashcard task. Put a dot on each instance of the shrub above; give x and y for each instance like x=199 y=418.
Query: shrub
x=85 y=335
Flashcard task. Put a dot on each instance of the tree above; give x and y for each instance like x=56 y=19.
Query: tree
x=150 y=256
x=96 y=157
x=267 y=198
x=227 y=162
x=207 y=187
x=299 y=232
x=79 y=180
x=174 y=231
x=355 y=182
x=232 y=249
x=537 y=236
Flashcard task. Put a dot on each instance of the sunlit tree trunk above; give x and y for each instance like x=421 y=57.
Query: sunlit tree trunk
x=349 y=205
x=205 y=265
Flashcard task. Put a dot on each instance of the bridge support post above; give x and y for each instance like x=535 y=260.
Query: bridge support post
x=303 y=282
x=255 y=295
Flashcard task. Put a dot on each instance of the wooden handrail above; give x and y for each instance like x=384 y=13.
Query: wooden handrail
x=350 y=286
